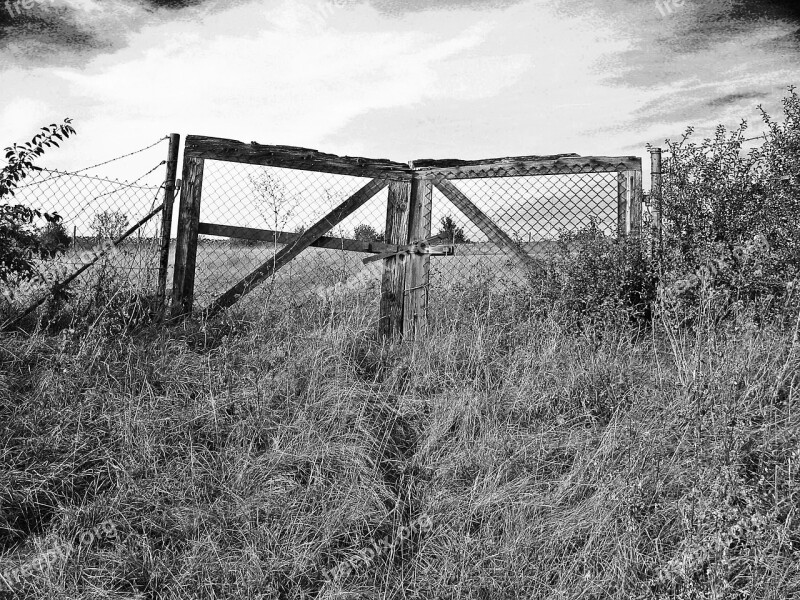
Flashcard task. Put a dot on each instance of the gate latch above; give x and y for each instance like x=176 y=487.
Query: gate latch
x=427 y=246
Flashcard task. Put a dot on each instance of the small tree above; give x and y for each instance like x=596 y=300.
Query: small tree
x=367 y=233
x=110 y=224
x=19 y=242
x=53 y=239
x=452 y=233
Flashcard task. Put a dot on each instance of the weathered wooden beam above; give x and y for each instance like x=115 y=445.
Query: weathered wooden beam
x=442 y=163
x=186 y=244
x=287 y=253
x=166 y=217
x=418 y=266
x=289 y=157
x=635 y=180
x=484 y=223
x=390 y=324
x=525 y=166
x=623 y=204
x=283 y=237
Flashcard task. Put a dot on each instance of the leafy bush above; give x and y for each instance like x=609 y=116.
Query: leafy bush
x=53 y=239
x=19 y=241
x=367 y=233
x=110 y=224
x=717 y=201
x=596 y=276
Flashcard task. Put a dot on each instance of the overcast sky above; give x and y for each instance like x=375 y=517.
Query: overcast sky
x=391 y=78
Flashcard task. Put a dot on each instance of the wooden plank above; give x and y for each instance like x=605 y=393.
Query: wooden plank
x=484 y=223
x=287 y=253
x=186 y=244
x=390 y=324
x=430 y=163
x=560 y=165
x=166 y=216
x=290 y=157
x=418 y=266
x=284 y=237
x=622 y=204
x=636 y=204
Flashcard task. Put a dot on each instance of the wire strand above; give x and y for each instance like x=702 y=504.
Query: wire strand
x=88 y=203
x=95 y=178
x=76 y=173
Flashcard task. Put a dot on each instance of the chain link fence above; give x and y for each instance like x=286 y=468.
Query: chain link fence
x=535 y=211
x=288 y=201
x=94 y=210
x=262 y=208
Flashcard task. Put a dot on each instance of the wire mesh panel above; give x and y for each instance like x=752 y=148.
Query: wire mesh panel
x=94 y=211
x=272 y=205
x=534 y=211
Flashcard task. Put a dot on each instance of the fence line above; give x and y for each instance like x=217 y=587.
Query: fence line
x=95 y=208
x=279 y=205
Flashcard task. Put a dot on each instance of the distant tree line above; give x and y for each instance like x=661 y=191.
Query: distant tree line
x=448 y=227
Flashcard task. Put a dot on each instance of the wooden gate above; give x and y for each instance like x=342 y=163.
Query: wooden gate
x=407 y=246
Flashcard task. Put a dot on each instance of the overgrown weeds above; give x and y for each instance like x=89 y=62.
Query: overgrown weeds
x=552 y=463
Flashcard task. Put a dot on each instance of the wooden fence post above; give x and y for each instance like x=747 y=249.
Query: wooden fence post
x=622 y=204
x=656 y=200
x=415 y=305
x=166 y=217
x=404 y=287
x=635 y=182
x=186 y=244
x=394 y=268
x=629 y=203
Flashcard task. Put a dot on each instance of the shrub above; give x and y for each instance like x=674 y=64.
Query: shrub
x=53 y=239
x=110 y=224
x=596 y=276
x=367 y=233
x=717 y=201
x=19 y=242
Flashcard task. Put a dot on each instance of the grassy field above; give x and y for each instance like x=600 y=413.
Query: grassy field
x=133 y=270
x=283 y=451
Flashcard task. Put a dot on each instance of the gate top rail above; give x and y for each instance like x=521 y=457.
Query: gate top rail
x=557 y=164
x=291 y=157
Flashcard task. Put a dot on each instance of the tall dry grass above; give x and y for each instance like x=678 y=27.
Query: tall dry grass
x=247 y=457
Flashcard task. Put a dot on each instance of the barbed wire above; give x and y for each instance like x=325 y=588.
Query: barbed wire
x=95 y=178
x=76 y=173
x=157 y=188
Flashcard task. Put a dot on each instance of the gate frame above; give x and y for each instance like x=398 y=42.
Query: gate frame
x=406 y=277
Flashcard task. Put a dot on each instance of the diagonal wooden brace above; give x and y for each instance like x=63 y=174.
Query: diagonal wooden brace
x=300 y=243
